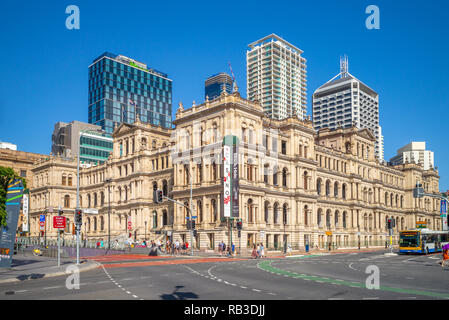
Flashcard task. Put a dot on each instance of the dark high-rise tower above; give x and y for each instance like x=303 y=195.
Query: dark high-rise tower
x=214 y=85
x=121 y=88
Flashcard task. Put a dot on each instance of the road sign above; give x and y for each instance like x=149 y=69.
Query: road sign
x=59 y=222
x=90 y=211
x=129 y=225
x=42 y=223
x=42 y=218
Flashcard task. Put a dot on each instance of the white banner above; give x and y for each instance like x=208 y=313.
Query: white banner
x=227 y=181
x=25 y=213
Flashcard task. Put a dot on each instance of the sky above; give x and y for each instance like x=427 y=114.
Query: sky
x=44 y=65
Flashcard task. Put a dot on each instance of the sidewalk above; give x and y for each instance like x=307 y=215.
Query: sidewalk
x=26 y=266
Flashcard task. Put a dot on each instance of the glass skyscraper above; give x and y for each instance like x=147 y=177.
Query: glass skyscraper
x=120 y=88
x=214 y=85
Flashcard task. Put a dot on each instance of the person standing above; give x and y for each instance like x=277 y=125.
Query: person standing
x=262 y=251
x=445 y=257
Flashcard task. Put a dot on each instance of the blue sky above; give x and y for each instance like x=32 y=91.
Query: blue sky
x=44 y=65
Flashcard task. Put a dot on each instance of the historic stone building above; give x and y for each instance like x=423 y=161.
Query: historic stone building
x=296 y=185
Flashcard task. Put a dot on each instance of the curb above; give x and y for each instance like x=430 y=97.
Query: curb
x=94 y=265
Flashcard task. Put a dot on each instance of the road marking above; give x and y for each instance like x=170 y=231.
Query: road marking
x=49 y=288
x=352 y=267
x=266 y=266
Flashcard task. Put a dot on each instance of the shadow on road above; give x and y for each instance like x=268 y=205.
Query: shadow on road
x=30 y=276
x=178 y=295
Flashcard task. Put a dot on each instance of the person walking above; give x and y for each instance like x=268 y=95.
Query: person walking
x=445 y=258
x=262 y=251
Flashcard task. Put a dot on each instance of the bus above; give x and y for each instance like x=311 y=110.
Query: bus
x=422 y=241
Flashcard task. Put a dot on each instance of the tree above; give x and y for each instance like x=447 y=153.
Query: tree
x=6 y=175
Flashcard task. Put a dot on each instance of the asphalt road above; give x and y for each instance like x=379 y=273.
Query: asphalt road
x=322 y=277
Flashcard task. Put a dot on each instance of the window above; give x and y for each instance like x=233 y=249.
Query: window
x=284 y=147
x=66 y=201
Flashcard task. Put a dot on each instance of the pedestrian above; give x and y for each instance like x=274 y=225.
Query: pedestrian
x=254 y=253
x=258 y=250
x=445 y=257
x=187 y=247
x=233 y=249
x=262 y=251
x=220 y=247
x=224 y=248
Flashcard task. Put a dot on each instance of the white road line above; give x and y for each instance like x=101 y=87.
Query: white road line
x=48 y=288
x=257 y=290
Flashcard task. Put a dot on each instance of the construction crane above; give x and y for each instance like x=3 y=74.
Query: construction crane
x=234 y=84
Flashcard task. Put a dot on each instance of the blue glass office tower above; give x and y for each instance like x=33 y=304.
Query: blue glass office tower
x=214 y=85
x=120 y=88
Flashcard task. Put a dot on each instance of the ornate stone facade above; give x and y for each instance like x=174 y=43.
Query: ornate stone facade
x=295 y=185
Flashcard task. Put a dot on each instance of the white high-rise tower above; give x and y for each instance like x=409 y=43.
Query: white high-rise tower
x=276 y=76
x=344 y=101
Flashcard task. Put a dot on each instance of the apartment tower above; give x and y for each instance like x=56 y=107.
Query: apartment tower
x=276 y=77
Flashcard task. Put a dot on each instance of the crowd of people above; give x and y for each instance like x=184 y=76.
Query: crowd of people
x=226 y=250
x=258 y=251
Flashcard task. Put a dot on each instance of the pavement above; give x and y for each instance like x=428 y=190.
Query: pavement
x=26 y=266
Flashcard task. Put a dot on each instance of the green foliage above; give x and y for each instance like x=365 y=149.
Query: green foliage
x=6 y=175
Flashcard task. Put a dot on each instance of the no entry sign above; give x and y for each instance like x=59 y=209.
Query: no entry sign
x=59 y=222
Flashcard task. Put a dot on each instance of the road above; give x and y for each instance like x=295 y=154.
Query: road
x=315 y=277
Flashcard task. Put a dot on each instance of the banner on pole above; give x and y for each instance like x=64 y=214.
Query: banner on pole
x=14 y=195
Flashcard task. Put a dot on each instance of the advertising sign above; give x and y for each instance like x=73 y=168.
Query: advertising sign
x=25 y=213
x=227 y=204
x=13 y=204
x=230 y=159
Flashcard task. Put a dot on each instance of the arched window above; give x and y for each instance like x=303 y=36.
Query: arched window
x=266 y=211
x=101 y=223
x=165 y=188
x=250 y=210
x=386 y=198
x=275 y=175
x=284 y=177
x=318 y=186
x=306 y=178
x=336 y=189
x=284 y=214
x=328 y=218
x=319 y=218
x=276 y=213
x=337 y=218
x=328 y=188
x=213 y=207
x=164 y=218
x=102 y=198
x=306 y=218
x=343 y=191
x=344 y=219
x=199 y=210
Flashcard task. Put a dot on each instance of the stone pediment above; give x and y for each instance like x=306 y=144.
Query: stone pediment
x=123 y=128
x=367 y=134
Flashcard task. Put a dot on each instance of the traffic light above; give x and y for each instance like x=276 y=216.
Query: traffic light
x=193 y=224
x=189 y=224
x=78 y=216
x=388 y=223
x=239 y=225
x=61 y=212
x=157 y=196
x=195 y=233
x=393 y=223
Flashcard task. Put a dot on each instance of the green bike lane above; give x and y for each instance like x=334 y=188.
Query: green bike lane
x=323 y=267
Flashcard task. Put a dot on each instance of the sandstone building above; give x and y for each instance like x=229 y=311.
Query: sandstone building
x=296 y=185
